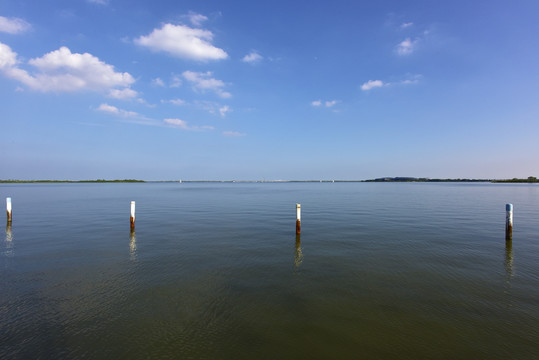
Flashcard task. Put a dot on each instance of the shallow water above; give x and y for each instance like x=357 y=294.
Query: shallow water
x=215 y=271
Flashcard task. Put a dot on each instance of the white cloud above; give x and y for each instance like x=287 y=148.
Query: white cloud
x=109 y=109
x=203 y=81
x=8 y=65
x=412 y=79
x=100 y=2
x=328 y=104
x=225 y=109
x=8 y=58
x=409 y=79
x=176 y=81
x=63 y=71
x=252 y=58
x=196 y=19
x=177 y=123
x=406 y=25
x=371 y=84
x=136 y=118
x=177 y=101
x=331 y=103
x=183 y=42
x=208 y=106
x=123 y=94
x=158 y=82
x=233 y=133
x=182 y=124
x=13 y=25
x=406 y=47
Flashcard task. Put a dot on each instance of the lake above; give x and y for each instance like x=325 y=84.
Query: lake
x=215 y=271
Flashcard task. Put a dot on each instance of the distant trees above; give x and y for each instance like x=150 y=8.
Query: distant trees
x=412 y=179
x=530 y=179
x=70 y=181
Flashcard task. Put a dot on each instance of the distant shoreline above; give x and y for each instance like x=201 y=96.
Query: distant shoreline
x=68 y=181
x=530 y=179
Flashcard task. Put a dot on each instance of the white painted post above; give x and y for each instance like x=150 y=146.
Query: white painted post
x=508 y=221
x=298 y=218
x=8 y=209
x=132 y=214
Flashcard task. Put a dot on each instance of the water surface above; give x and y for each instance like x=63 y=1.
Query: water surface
x=215 y=271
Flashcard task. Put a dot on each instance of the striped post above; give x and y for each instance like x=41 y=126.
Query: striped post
x=508 y=221
x=132 y=215
x=8 y=209
x=298 y=219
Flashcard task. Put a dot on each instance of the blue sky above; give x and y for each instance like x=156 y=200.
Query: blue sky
x=249 y=90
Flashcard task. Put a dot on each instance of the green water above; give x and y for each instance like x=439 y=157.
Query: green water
x=215 y=271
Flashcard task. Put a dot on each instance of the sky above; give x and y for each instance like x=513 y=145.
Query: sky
x=277 y=90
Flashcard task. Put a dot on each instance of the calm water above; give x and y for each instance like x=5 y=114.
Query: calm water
x=215 y=271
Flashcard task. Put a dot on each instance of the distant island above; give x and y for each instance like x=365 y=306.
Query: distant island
x=412 y=179
x=71 y=181
x=530 y=179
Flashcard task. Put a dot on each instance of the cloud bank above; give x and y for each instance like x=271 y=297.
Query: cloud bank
x=64 y=71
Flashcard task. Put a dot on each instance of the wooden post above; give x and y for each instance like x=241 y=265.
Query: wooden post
x=132 y=215
x=8 y=209
x=298 y=218
x=508 y=222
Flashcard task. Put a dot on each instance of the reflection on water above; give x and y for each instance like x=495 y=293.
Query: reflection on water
x=9 y=235
x=509 y=258
x=508 y=263
x=298 y=257
x=8 y=243
x=132 y=246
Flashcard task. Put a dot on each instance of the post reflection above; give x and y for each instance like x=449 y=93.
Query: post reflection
x=298 y=256
x=509 y=258
x=132 y=245
x=9 y=235
x=8 y=252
